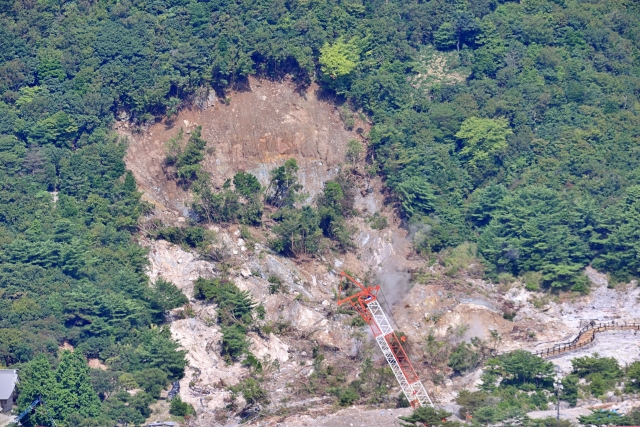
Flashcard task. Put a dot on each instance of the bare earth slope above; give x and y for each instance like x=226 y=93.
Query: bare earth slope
x=260 y=129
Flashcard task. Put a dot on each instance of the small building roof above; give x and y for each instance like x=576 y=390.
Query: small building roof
x=8 y=380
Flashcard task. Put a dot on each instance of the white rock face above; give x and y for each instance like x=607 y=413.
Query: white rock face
x=175 y=265
x=201 y=385
x=272 y=348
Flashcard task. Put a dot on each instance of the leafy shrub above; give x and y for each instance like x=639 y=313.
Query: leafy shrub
x=358 y=322
x=279 y=328
x=378 y=221
x=509 y=315
x=251 y=390
x=275 y=284
x=348 y=396
x=401 y=401
x=166 y=295
x=463 y=358
x=261 y=311
x=633 y=374
x=470 y=401
x=190 y=236
x=234 y=342
x=606 y=367
x=252 y=362
x=180 y=408
x=548 y=422
x=518 y=368
x=233 y=304
x=427 y=416
x=634 y=416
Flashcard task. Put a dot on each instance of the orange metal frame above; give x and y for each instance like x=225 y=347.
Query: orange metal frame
x=359 y=302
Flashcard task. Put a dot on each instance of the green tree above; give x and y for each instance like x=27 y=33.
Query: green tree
x=152 y=381
x=518 y=368
x=532 y=229
x=234 y=342
x=68 y=390
x=74 y=392
x=570 y=389
x=427 y=416
x=619 y=247
x=607 y=367
x=283 y=187
x=297 y=231
x=155 y=350
x=416 y=196
x=180 y=408
x=633 y=374
x=483 y=139
x=484 y=202
x=188 y=161
x=354 y=151
x=36 y=379
x=233 y=304
x=340 y=58
x=445 y=36
x=246 y=185
x=604 y=417
x=59 y=129
x=166 y=296
x=463 y=358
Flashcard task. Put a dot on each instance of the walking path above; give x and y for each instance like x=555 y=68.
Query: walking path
x=586 y=336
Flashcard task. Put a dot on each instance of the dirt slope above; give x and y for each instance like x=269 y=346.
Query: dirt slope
x=259 y=129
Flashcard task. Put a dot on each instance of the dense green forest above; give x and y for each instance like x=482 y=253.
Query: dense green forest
x=533 y=153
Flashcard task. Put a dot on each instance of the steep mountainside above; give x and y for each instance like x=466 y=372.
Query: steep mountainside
x=447 y=301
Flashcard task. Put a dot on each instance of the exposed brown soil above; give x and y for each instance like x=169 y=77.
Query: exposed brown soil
x=259 y=129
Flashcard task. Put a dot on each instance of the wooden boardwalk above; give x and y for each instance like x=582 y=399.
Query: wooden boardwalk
x=586 y=336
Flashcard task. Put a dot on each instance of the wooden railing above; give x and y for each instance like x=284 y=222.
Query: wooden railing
x=586 y=336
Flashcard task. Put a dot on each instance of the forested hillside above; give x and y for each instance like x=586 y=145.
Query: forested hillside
x=533 y=153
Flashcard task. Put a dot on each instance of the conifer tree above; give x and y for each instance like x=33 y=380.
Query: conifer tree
x=73 y=391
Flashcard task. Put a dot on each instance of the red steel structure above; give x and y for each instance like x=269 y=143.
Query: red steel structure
x=366 y=304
